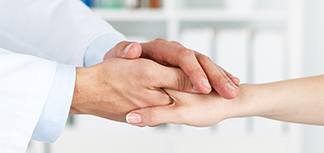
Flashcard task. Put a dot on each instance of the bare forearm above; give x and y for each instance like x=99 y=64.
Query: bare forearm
x=298 y=100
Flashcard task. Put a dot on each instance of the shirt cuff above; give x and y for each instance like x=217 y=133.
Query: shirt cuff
x=100 y=46
x=56 y=110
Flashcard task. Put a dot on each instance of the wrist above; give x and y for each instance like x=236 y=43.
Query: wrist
x=84 y=90
x=78 y=97
x=253 y=102
x=242 y=105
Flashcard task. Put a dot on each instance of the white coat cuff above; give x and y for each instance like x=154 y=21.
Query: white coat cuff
x=56 y=110
x=100 y=46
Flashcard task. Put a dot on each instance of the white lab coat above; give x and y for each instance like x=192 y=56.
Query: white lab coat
x=46 y=30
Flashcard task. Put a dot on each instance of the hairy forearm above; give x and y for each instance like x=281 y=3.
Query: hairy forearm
x=298 y=100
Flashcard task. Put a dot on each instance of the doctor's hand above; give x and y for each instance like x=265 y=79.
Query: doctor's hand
x=201 y=70
x=116 y=86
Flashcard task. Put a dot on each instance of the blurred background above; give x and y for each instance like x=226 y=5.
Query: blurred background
x=257 y=40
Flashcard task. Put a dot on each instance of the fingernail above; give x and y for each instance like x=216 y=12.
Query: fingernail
x=231 y=85
x=127 y=48
x=205 y=83
x=194 y=88
x=232 y=77
x=133 y=118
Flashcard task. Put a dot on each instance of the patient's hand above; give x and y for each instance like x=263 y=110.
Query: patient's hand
x=189 y=109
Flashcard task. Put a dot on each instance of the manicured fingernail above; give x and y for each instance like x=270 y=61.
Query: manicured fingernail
x=231 y=85
x=133 y=118
x=127 y=49
x=232 y=77
x=205 y=83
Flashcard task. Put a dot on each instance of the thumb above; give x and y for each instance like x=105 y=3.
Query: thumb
x=153 y=116
x=125 y=49
x=157 y=115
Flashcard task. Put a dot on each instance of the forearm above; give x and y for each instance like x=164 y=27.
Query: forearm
x=46 y=22
x=298 y=100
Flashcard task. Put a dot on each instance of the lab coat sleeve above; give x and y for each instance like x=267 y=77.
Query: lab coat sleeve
x=25 y=82
x=100 y=46
x=59 y=30
x=56 y=110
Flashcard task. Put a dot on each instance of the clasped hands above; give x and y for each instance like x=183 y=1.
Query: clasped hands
x=157 y=82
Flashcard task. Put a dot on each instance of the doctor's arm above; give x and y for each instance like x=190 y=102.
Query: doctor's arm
x=54 y=114
x=299 y=101
x=25 y=82
x=58 y=30
x=62 y=30
x=109 y=89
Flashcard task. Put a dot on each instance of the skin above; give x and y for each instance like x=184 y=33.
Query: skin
x=299 y=101
x=116 y=86
x=172 y=54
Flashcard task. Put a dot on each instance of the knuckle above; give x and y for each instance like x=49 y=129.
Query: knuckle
x=153 y=116
x=175 y=42
x=186 y=52
x=159 y=40
x=148 y=74
x=204 y=59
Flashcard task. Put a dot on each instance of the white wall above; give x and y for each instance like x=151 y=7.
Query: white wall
x=313 y=136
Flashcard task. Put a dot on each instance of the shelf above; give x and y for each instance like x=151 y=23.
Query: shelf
x=131 y=15
x=189 y=15
x=223 y=15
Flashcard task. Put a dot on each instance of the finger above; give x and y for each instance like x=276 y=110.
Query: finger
x=234 y=79
x=219 y=80
x=179 y=56
x=189 y=109
x=152 y=116
x=125 y=49
x=174 y=78
x=179 y=112
x=190 y=65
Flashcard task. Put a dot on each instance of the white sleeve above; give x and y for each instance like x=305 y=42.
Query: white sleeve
x=25 y=82
x=59 y=30
x=57 y=107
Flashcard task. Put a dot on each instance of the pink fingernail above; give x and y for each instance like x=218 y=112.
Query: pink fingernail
x=231 y=85
x=134 y=118
x=127 y=49
x=205 y=83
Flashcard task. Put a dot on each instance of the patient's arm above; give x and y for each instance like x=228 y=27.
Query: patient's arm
x=298 y=100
